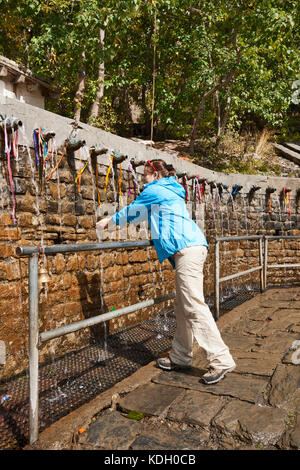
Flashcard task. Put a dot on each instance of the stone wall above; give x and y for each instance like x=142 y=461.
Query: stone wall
x=62 y=211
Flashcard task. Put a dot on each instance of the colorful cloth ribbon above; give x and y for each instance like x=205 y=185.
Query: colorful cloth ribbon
x=97 y=182
x=42 y=147
x=186 y=188
x=108 y=172
x=7 y=144
x=78 y=177
x=287 y=199
x=120 y=185
x=57 y=165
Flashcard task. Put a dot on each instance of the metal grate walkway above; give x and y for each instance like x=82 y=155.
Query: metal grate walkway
x=76 y=378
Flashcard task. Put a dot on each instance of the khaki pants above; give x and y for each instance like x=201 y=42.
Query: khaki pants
x=193 y=316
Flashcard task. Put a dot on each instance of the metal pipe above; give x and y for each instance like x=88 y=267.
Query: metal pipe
x=136 y=164
x=49 y=135
x=11 y=124
x=242 y=273
x=74 y=144
x=53 y=249
x=261 y=261
x=33 y=348
x=95 y=151
x=119 y=159
x=46 y=336
x=217 y=279
x=284 y=266
x=277 y=237
x=265 y=261
x=240 y=237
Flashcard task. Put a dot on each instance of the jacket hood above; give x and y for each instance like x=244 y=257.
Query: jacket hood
x=171 y=184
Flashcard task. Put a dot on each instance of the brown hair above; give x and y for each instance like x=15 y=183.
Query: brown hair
x=161 y=167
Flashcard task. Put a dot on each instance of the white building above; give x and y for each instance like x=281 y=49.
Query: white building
x=19 y=83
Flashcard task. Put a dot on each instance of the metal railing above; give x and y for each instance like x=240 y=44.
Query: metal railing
x=36 y=338
x=268 y=266
x=219 y=279
x=262 y=267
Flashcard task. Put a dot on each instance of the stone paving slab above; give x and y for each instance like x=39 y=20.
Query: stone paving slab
x=242 y=342
x=260 y=313
x=258 y=425
x=278 y=341
x=195 y=407
x=295 y=435
x=110 y=431
x=282 y=320
x=150 y=399
x=162 y=437
x=284 y=383
x=249 y=388
x=255 y=362
x=256 y=406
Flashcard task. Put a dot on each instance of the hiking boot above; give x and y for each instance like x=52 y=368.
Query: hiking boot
x=165 y=363
x=214 y=375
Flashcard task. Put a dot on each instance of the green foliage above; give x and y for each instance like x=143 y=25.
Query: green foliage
x=198 y=43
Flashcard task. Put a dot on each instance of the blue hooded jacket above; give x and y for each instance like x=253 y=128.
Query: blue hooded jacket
x=162 y=204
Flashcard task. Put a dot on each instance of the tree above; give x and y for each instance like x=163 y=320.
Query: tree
x=215 y=62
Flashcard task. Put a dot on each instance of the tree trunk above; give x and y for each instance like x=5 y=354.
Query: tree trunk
x=222 y=84
x=196 y=123
x=96 y=105
x=80 y=90
x=225 y=114
x=154 y=74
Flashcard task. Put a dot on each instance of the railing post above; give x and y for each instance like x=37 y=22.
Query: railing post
x=217 y=277
x=261 y=261
x=265 y=262
x=33 y=348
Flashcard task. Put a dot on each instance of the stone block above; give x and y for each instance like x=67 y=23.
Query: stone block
x=137 y=256
x=20 y=185
x=5 y=250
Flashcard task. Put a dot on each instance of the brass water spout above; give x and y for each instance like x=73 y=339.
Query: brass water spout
x=44 y=277
x=95 y=151
x=49 y=135
x=270 y=190
x=74 y=144
x=11 y=124
x=136 y=164
x=118 y=158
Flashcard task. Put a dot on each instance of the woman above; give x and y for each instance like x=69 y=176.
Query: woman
x=178 y=238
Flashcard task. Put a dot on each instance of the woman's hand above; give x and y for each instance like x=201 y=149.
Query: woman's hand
x=102 y=224
x=100 y=227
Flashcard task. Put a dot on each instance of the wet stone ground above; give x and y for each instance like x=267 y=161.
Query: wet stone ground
x=255 y=407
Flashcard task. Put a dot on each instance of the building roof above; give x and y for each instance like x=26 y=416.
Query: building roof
x=12 y=71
